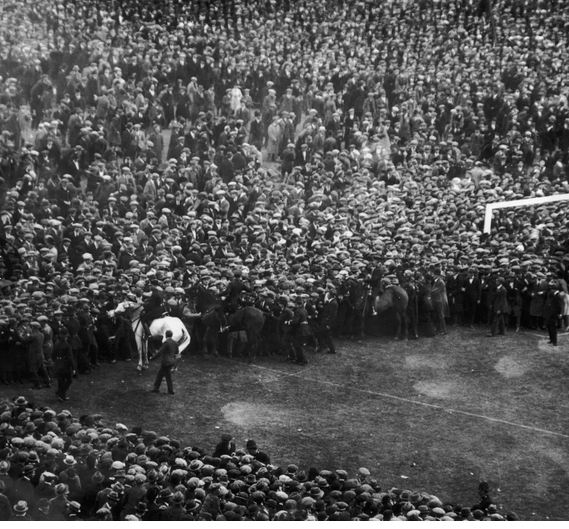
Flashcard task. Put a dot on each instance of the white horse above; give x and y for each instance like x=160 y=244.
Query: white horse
x=158 y=328
x=133 y=312
x=180 y=334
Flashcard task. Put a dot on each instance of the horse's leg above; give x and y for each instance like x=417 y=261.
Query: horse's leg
x=377 y=324
x=205 y=342
x=405 y=324
x=230 y=344
x=139 y=346
x=215 y=344
x=144 y=351
x=360 y=323
x=349 y=325
x=398 y=319
x=251 y=345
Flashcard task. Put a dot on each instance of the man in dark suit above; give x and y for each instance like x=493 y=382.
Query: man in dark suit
x=287 y=160
x=552 y=310
x=455 y=291
x=514 y=286
x=226 y=169
x=64 y=364
x=499 y=308
x=76 y=161
x=169 y=353
x=472 y=296
x=440 y=301
x=328 y=315
x=302 y=157
x=256 y=131
x=86 y=245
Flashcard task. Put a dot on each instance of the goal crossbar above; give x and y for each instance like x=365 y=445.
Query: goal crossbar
x=515 y=203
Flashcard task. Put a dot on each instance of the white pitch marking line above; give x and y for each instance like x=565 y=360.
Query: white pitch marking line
x=287 y=375
x=415 y=402
x=559 y=334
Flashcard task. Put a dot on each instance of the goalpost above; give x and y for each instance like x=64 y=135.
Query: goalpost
x=515 y=203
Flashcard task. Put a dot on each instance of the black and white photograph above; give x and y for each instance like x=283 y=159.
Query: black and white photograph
x=284 y=260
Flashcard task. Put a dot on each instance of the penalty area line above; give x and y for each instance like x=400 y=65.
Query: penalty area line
x=414 y=402
x=543 y=336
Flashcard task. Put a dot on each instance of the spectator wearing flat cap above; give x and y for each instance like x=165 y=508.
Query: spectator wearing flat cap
x=225 y=447
x=252 y=449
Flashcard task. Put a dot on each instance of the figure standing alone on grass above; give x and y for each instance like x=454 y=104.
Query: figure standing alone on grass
x=169 y=352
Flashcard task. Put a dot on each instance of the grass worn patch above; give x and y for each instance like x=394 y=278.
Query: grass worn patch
x=435 y=415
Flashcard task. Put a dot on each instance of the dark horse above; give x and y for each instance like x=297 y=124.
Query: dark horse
x=250 y=320
x=212 y=320
x=395 y=297
x=247 y=319
x=354 y=296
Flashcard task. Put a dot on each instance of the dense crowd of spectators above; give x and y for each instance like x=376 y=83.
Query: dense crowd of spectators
x=145 y=145
x=56 y=467
x=139 y=140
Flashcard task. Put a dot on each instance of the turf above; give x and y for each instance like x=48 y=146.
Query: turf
x=435 y=415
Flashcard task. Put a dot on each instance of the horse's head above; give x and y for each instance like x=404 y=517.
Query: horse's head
x=203 y=298
x=383 y=284
x=387 y=298
x=121 y=308
x=197 y=289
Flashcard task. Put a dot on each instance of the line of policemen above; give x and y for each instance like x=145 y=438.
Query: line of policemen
x=474 y=296
x=295 y=321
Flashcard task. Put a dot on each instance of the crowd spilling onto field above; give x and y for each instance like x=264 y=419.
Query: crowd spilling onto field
x=285 y=146
x=150 y=146
x=56 y=467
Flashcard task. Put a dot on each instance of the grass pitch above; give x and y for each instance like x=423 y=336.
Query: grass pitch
x=435 y=415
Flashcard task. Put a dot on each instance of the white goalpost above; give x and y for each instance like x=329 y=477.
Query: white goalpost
x=515 y=203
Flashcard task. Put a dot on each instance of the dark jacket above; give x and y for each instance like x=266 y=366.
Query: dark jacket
x=168 y=351
x=553 y=305
x=63 y=360
x=501 y=300
x=329 y=312
x=473 y=289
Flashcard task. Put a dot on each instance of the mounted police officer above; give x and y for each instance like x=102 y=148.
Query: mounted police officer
x=233 y=292
x=153 y=308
